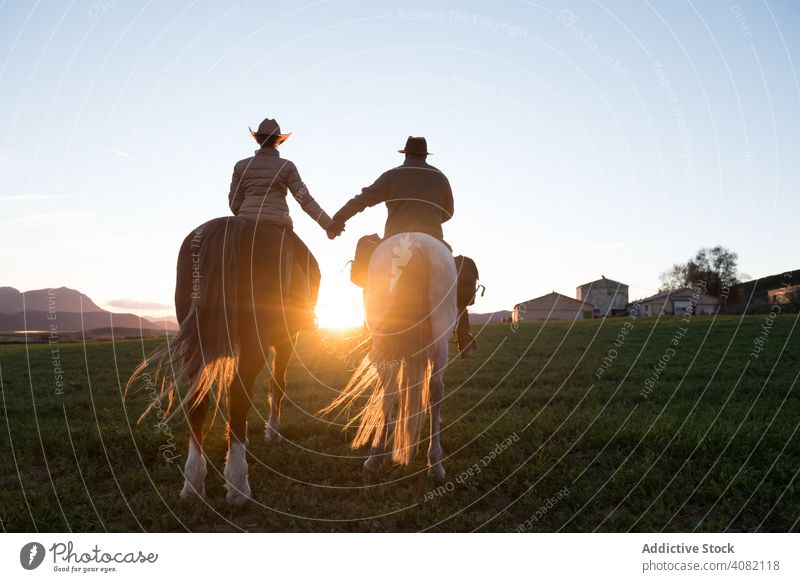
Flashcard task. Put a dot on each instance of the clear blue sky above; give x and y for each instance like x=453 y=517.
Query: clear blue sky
x=581 y=138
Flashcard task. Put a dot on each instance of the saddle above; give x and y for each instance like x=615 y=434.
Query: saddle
x=467 y=270
x=359 y=267
x=467 y=281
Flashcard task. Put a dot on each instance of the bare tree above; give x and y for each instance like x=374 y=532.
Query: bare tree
x=675 y=278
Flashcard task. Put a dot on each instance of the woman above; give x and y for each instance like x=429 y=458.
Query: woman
x=258 y=191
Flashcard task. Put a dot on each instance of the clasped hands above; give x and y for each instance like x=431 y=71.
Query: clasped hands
x=335 y=229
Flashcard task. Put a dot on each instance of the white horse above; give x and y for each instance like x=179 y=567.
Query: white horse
x=411 y=314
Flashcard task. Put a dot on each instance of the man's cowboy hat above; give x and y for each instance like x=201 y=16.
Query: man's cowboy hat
x=416 y=146
x=270 y=127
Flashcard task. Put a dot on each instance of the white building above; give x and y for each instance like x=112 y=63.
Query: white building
x=609 y=297
x=678 y=302
x=552 y=306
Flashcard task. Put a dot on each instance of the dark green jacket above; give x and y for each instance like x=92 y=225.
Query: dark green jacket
x=417 y=196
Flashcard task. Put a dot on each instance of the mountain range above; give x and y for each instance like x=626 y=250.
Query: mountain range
x=68 y=310
x=494 y=317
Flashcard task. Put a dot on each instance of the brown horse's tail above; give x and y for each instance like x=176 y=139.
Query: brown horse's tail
x=397 y=372
x=205 y=350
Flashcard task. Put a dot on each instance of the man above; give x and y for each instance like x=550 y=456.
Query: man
x=418 y=199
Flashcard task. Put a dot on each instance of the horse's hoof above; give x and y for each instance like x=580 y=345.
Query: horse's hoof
x=194 y=474
x=272 y=436
x=237 y=501
x=437 y=473
x=373 y=466
x=236 y=475
x=237 y=498
x=189 y=493
x=469 y=352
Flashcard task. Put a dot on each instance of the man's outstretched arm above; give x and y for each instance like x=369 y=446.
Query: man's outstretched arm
x=370 y=196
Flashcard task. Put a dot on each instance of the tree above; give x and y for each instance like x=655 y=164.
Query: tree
x=713 y=269
x=675 y=278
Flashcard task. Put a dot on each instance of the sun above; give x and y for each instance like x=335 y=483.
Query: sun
x=340 y=307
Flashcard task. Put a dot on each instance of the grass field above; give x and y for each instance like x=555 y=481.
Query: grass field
x=534 y=441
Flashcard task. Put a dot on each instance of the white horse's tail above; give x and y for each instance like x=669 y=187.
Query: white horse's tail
x=397 y=372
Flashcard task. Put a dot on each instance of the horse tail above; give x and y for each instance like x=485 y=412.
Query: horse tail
x=396 y=374
x=205 y=350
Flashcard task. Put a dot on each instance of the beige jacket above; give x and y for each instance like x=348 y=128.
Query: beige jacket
x=259 y=186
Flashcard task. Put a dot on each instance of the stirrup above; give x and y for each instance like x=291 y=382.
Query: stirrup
x=470 y=350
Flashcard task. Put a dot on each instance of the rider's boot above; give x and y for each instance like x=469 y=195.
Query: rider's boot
x=466 y=343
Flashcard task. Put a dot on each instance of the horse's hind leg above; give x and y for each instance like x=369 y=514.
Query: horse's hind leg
x=241 y=390
x=377 y=454
x=277 y=389
x=435 y=469
x=195 y=470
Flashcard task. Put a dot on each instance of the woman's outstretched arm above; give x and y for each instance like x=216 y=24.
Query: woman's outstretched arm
x=300 y=192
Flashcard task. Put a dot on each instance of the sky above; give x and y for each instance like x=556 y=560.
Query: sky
x=580 y=138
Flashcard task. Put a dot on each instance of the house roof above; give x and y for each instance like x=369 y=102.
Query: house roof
x=562 y=299
x=674 y=293
x=603 y=279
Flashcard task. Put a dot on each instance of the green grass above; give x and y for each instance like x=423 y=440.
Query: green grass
x=713 y=447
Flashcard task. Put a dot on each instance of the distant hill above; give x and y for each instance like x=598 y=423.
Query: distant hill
x=62 y=299
x=69 y=310
x=170 y=322
x=6 y=322
x=70 y=321
x=495 y=317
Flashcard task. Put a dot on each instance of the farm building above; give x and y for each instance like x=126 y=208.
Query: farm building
x=552 y=306
x=784 y=295
x=678 y=302
x=609 y=297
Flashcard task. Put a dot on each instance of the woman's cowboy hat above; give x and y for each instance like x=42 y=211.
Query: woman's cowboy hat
x=416 y=146
x=270 y=127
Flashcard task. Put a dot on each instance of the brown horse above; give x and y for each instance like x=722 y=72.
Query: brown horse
x=234 y=305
